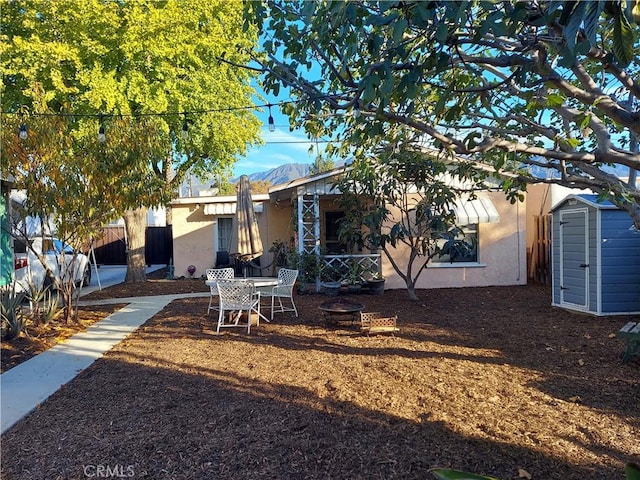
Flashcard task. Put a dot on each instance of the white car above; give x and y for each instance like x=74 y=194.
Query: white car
x=29 y=270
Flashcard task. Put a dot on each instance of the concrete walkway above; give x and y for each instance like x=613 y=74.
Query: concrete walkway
x=29 y=384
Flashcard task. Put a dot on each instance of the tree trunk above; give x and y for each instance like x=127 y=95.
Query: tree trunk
x=135 y=223
x=168 y=214
x=411 y=290
x=406 y=276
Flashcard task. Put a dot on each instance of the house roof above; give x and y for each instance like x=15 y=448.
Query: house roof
x=319 y=183
x=257 y=197
x=222 y=205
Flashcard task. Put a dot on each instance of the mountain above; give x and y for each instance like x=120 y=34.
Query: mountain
x=282 y=174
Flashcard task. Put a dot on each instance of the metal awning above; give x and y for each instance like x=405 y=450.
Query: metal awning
x=480 y=210
x=227 y=208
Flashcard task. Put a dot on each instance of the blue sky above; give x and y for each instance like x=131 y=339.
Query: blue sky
x=281 y=146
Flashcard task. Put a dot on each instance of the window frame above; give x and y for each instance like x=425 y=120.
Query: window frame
x=219 y=229
x=471 y=232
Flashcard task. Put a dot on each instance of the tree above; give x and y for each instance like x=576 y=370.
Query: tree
x=547 y=90
x=156 y=63
x=260 y=186
x=321 y=164
x=404 y=195
x=73 y=182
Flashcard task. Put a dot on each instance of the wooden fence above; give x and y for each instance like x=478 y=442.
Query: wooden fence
x=111 y=249
x=539 y=259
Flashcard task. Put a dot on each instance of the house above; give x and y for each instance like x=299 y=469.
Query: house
x=202 y=227
x=303 y=213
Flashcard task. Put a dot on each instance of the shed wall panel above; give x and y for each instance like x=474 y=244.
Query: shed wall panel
x=620 y=263
x=593 y=259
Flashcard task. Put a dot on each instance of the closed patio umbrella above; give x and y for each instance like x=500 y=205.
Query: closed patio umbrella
x=246 y=243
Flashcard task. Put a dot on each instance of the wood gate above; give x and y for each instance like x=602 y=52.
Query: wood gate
x=539 y=261
x=111 y=249
x=158 y=245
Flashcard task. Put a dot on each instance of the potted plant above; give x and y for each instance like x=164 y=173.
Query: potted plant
x=308 y=265
x=354 y=277
x=330 y=280
x=375 y=283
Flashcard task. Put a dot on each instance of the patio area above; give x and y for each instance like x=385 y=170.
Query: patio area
x=491 y=380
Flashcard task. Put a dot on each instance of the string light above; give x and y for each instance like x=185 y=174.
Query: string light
x=23 y=134
x=356 y=110
x=101 y=135
x=185 y=128
x=272 y=125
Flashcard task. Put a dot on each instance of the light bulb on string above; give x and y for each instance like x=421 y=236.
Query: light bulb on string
x=272 y=125
x=23 y=134
x=185 y=128
x=101 y=135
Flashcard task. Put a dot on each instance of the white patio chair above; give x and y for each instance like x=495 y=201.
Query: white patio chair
x=213 y=275
x=237 y=296
x=284 y=289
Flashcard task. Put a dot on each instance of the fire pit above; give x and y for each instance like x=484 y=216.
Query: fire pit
x=333 y=310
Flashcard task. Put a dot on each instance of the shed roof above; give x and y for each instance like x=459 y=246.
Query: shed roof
x=587 y=199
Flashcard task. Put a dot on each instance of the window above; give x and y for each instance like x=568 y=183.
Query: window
x=224 y=233
x=331 y=227
x=461 y=248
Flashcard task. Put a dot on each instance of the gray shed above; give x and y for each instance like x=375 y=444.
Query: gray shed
x=595 y=257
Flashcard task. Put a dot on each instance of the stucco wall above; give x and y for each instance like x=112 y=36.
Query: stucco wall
x=192 y=239
x=502 y=255
x=279 y=227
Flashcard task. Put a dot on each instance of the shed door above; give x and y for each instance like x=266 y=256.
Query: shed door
x=574 y=259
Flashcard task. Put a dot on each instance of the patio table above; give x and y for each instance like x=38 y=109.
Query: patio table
x=258 y=283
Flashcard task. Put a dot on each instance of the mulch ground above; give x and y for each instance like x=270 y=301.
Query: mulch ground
x=491 y=380
x=36 y=338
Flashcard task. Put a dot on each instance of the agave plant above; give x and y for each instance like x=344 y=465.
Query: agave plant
x=44 y=304
x=49 y=307
x=13 y=321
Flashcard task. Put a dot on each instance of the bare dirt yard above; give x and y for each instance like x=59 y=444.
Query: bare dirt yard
x=491 y=380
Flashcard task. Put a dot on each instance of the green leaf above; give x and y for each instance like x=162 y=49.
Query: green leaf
x=633 y=471
x=399 y=28
x=573 y=25
x=623 y=39
x=447 y=474
x=554 y=100
x=592 y=18
x=442 y=32
x=470 y=139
